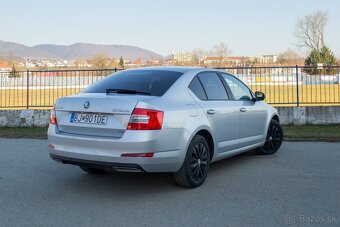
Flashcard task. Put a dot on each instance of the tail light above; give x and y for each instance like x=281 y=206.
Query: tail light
x=53 y=117
x=145 y=119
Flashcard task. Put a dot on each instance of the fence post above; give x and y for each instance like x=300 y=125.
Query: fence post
x=27 y=89
x=297 y=86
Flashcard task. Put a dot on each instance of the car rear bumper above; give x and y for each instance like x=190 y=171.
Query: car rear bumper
x=100 y=165
x=168 y=146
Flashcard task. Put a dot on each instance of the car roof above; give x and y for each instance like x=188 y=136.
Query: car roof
x=176 y=69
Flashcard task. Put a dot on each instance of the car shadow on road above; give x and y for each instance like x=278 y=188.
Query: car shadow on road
x=146 y=184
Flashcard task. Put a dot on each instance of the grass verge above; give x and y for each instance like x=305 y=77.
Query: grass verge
x=291 y=132
x=28 y=132
x=312 y=132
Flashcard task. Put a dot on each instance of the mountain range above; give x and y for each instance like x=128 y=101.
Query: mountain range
x=74 y=51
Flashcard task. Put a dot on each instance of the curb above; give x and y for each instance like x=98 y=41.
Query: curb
x=301 y=139
x=24 y=137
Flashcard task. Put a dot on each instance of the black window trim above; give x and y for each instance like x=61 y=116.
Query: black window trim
x=228 y=88
x=219 y=76
x=199 y=81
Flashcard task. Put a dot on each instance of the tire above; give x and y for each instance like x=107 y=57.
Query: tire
x=273 y=140
x=92 y=170
x=196 y=164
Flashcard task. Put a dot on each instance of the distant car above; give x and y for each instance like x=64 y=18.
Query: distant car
x=162 y=119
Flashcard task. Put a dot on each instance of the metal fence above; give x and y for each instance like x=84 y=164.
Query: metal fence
x=39 y=89
x=293 y=85
x=283 y=86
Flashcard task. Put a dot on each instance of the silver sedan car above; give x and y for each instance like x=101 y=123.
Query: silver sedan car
x=162 y=119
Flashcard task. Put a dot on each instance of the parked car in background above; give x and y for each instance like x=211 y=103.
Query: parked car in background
x=162 y=119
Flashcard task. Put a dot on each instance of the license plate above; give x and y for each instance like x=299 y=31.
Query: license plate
x=98 y=119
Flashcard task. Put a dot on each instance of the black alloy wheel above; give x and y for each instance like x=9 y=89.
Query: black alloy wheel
x=196 y=164
x=199 y=161
x=273 y=140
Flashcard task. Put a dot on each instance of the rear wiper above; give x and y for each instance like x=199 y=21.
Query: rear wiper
x=125 y=91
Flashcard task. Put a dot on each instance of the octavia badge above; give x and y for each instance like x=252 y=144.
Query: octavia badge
x=86 y=104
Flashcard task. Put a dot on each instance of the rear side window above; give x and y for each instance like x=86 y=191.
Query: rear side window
x=155 y=82
x=213 y=86
x=196 y=87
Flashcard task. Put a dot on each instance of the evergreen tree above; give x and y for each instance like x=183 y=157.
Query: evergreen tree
x=14 y=72
x=325 y=57
x=121 y=62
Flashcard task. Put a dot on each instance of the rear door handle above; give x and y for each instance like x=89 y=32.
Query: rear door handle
x=243 y=109
x=211 y=111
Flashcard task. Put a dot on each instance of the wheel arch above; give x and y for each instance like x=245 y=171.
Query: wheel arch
x=207 y=134
x=276 y=118
x=271 y=116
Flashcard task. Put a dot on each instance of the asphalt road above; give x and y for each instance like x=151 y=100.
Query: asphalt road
x=298 y=185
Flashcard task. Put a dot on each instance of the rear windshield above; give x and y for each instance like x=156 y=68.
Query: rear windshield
x=154 y=82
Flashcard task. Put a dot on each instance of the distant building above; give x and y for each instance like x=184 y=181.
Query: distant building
x=4 y=67
x=84 y=65
x=182 y=56
x=235 y=59
x=211 y=60
x=133 y=63
x=29 y=64
x=169 y=62
x=268 y=59
x=232 y=60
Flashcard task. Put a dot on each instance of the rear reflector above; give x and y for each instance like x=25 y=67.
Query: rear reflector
x=53 y=118
x=144 y=155
x=145 y=119
x=50 y=146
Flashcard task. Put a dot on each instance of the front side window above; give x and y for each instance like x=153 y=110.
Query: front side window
x=239 y=90
x=213 y=86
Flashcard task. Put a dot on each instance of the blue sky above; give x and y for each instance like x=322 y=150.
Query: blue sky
x=249 y=27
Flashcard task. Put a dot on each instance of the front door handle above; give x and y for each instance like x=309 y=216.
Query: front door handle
x=243 y=109
x=211 y=111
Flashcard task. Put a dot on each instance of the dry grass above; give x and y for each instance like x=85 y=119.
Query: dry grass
x=326 y=94
x=37 y=98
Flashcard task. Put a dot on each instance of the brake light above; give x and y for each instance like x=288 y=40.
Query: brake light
x=145 y=119
x=144 y=155
x=53 y=117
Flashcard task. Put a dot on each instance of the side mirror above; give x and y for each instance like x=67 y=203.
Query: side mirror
x=259 y=96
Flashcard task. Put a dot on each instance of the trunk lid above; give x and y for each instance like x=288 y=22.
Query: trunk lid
x=117 y=109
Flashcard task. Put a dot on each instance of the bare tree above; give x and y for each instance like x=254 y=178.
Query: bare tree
x=199 y=54
x=290 y=57
x=101 y=61
x=309 y=31
x=194 y=60
x=11 y=59
x=79 y=62
x=222 y=51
